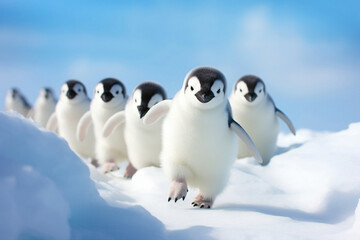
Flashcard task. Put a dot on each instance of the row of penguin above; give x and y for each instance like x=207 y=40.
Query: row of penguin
x=195 y=137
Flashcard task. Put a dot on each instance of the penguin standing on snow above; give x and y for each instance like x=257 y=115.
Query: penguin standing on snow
x=44 y=106
x=17 y=102
x=255 y=110
x=199 y=142
x=72 y=105
x=143 y=141
x=109 y=98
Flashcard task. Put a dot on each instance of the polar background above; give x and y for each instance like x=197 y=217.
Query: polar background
x=307 y=53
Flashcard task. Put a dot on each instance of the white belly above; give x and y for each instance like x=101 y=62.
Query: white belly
x=261 y=124
x=201 y=144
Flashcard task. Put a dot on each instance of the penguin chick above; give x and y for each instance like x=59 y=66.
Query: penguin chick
x=109 y=98
x=255 y=110
x=17 y=102
x=199 y=142
x=44 y=106
x=72 y=105
x=143 y=141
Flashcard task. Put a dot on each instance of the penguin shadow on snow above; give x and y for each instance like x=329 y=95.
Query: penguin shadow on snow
x=338 y=206
x=282 y=150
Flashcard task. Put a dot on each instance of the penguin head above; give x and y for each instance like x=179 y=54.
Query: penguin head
x=110 y=92
x=205 y=87
x=145 y=96
x=14 y=95
x=249 y=90
x=46 y=94
x=73 y=91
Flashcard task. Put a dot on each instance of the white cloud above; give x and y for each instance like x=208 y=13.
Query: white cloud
x=281 y=52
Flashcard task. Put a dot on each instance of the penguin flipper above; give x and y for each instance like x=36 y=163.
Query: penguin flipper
x=157 y=112
x=112 y=123
x=52 y=123
x=83 y=126
x=285 y=118
x=242 y=134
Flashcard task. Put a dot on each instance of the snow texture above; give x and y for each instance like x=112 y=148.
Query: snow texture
x=310 y=190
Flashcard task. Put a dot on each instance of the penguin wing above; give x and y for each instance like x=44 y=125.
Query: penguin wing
x=285 y=118
x=52 y=123
x=157 y=112
x=112 y=123
x=83 y=126
x=242 y=134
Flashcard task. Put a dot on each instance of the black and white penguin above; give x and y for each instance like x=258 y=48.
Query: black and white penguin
x=109 y=98
x=199 y=142
x=72 y=105
x=44 y=106
x=16 y=101
x=143 y=141
x=255 y=111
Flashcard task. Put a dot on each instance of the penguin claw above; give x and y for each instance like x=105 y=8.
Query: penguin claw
x=202 y=202
x=178 y=189
x=169 y=199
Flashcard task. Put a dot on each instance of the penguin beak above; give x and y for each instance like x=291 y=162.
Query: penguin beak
x=142 y=110
x=106 y=96
x=71 y=94
x=250 y=97
x=204 y=96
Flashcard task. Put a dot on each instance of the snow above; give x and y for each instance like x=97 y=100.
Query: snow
x=310 y=190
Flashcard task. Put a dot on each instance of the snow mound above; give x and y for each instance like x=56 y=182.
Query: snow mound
x=46 y=192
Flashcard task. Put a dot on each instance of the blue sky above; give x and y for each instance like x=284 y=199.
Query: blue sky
x=307 y=52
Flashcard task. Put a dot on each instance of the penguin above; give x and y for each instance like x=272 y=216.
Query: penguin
x=17 y=102
x=72 y=105
x=199 y=143
x=109 y=98
x=44 y=106
x=143 y=141
x=255 y=110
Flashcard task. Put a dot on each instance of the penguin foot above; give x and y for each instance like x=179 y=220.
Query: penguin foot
x=95 y=162
x=129 y=171
x=178 y=190
x=202 y=202
x=110 y=167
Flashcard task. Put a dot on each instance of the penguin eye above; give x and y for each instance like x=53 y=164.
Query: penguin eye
x=240 y=90
x=260 y=91
x=97 y=91
x=117 y=92
x=135 y=100
x=191 y=88
x=79 y=90
x=218 y=91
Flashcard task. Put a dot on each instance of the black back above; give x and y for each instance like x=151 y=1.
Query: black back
x=207 y=76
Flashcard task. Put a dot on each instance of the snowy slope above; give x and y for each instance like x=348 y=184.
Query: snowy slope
x=310 y=190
